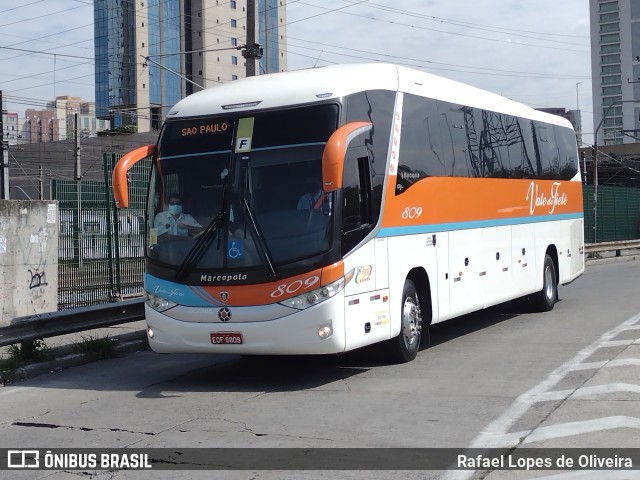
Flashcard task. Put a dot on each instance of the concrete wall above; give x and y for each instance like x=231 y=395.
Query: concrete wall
x=28 y=258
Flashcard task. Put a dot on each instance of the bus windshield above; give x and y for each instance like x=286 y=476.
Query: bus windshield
x=259 y=205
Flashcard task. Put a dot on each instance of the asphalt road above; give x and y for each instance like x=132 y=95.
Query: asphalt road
x=498 y=378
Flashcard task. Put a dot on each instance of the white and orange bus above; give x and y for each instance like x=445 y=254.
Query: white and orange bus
x=437 y=199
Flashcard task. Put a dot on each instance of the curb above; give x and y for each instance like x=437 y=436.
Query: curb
x=608 y=260
x=126 y=344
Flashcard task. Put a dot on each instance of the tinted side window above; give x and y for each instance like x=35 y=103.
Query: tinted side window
x=447 y=139
x=548 y=164
x=458 y=131
x=494 y=144
x=420 y=144
x=568 y=152
x=351 y=203
x=356 y=196
x=375 y=106
x=528 y=163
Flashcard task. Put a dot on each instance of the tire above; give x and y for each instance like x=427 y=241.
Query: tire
x=545 y=299
x=404 y=348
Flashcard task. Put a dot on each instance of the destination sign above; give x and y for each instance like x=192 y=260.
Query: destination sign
x=209 y=128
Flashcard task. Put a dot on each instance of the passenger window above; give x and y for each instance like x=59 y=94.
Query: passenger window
x=357 y=214
x=420 y=145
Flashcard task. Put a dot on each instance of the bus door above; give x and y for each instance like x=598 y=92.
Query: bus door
x=366 y=310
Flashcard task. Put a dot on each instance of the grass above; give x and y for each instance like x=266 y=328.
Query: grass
x=17 y=356
x=102 y=347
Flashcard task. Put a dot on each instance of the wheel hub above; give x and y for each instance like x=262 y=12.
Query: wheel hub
x=548 y=283
x=411 y=321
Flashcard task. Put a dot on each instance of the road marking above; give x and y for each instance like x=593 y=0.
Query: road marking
x=521 y=405
x=617 y=343
x=577 y=428
x=605 y=389
x=496 y=434
x=594 y=475
x=619 y=362
x=588 y=391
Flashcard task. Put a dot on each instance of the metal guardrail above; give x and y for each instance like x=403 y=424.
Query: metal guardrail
x=34 y=327
x=610 y=246
x=45 y=325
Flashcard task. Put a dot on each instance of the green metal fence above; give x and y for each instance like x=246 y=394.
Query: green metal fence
x=618 y=213
x=100 y=248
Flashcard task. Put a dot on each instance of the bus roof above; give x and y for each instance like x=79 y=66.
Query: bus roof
x=335 y=81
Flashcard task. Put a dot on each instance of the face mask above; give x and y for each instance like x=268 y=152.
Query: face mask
x=175 y=209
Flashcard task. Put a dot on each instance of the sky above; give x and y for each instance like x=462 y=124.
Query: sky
x=537 y=53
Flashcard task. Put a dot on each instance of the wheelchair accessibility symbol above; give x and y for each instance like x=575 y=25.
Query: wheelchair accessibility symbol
x=234 y=249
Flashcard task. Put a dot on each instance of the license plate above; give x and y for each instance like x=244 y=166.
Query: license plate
x=226 y=338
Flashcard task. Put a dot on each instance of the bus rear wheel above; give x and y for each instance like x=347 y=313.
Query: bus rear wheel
x=545 y=299
x=404 y=348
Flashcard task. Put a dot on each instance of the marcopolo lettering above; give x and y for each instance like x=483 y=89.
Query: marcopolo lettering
x=223 y=278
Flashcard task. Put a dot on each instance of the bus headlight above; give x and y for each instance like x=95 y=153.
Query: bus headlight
x=157 y=303
x=318 y=295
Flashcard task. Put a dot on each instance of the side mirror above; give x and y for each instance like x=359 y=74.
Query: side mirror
x=119 y=175
x=334 y=152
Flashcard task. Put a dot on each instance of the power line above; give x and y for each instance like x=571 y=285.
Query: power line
x=44 y=15
x=477 y=26
x=44 y=52
x=422 y=63
x=395 y=59
x=391 y=22
x=21 y=6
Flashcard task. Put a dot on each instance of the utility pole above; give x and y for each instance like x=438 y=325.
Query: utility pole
x=252 y=50
x=4 y=152
x=78 y=175
x=76 y=147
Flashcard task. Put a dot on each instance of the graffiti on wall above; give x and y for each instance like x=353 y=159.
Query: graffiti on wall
x=28 y=252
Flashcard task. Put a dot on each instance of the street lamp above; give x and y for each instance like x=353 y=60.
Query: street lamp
x=595 y=163
x=579 y=116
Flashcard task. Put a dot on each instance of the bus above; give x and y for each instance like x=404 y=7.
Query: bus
x=328 y=209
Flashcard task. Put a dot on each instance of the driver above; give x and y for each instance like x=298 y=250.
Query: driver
x=173 y=223
x=314 y=196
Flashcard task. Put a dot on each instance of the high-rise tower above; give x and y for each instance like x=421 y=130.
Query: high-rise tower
x=152 y=53
x=615 y=66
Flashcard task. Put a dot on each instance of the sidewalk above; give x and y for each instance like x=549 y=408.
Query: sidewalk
x=610 y=257
x=126 y=338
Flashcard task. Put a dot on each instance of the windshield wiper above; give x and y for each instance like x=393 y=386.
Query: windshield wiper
x=201 y=246
x=260 y=243
x=263 y=248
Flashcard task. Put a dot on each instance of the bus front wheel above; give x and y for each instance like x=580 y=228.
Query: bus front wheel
x=545 y=299
x=405 y=346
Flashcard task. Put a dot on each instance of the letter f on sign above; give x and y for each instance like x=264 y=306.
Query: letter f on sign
x=243 y=144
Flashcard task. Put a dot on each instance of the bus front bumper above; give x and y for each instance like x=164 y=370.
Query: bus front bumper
x=295 y=334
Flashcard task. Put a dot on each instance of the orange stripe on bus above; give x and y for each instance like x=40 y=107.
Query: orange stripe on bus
x=332 y=273
x=272 y=292
x=436 y=200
